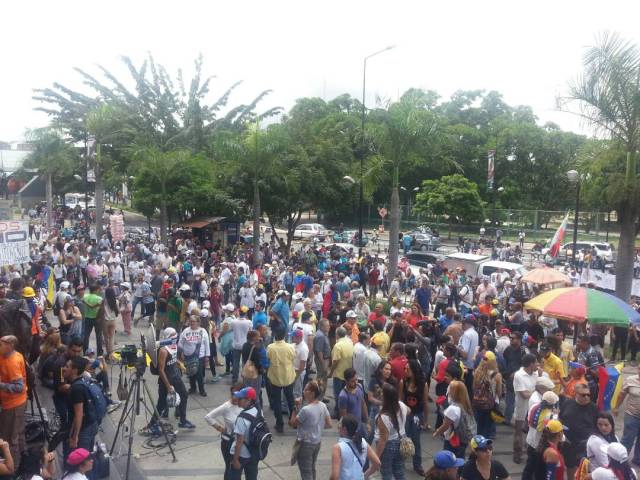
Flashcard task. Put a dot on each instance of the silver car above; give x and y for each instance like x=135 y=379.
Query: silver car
x=425 y=242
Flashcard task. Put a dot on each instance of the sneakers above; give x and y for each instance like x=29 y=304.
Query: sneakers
x=186 y=424
x=113 y=406
x=203 y=394
x=215 y=379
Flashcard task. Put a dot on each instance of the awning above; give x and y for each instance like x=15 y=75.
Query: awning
x=202 y=222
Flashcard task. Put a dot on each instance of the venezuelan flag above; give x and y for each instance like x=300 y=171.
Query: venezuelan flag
x=610 y=385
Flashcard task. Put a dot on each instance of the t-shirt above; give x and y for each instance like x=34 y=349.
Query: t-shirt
x=580 y=420
x=92 y=302
x=311 y=419
x=523 y=382
x=259 y=318
x=343 y=353
x=73 y=476
x=352 y=401
x=302 y=354
x=321 y=345
x=13 y=370
x=469 y=343
x=398 y=366
x=241 y=427
x=631 y=386
x=79 y=394
x=359 y=352
x=240 y=327
x=555 y=368
x=470 y=471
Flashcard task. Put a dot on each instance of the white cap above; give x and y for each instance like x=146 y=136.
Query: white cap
x=126 y=285
x=550 y=397
x=616 y=450
x=545 y=381
x=184 y=288
x=64 y=284
x=229 y=307
x=351 y=314
x=169 y=332
x=297 y=296
x=206 y=304
x=204 y=313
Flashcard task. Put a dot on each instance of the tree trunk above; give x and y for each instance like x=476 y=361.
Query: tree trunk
x=394 y=228
x=97 y=169
x=49 y=201
x=626 y=252
x=256 y=222
x=163 y=220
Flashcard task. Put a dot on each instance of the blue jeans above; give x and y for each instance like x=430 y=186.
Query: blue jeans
x=412 y=429
x=248 y=465
x=86 y=440
x=510 y=399
x=136 y=301
x=464 y=310
x=486 y=426
x=631 y=434
x=235 y=372
x=338 y=385
x=392 y=464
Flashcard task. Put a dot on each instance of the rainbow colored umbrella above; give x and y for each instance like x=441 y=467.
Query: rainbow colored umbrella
x=578 y=304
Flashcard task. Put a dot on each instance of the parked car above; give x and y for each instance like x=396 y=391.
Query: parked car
x=311 y=230
x=350 y=236
x=482 y=265
x=425 y=242
x=603 y=251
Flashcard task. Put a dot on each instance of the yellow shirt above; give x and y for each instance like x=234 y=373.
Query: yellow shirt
x=382 y=337
x=281 y=356
x=554 y=367
x=566 y=355
x=342 y=353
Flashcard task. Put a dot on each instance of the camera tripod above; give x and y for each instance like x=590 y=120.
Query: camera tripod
x=138 y=395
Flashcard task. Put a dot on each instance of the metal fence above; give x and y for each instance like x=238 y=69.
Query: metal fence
x=537 y=224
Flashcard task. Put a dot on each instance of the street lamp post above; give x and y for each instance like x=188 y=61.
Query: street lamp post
x=574 y=177
x=362 y=153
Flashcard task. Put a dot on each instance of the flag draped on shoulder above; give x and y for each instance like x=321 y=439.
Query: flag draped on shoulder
x=610 y=385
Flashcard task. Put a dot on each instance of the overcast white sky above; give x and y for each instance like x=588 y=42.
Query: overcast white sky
x=527 y=50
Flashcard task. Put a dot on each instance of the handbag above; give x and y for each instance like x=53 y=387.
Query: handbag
x=249 y=370
x=192 y=362
x=407 y=448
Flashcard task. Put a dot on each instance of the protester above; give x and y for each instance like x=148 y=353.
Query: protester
x=579 y=416
x=78 y=464
x=350 y=454
x=281 y=375
x=481 y=464
x=389 y=429
x=597 y=443
x=13 y=396
x=193 y=348
x=242 y=460
x=445 y=466
x=228 y=412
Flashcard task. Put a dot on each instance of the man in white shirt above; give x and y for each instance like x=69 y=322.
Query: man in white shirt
x=359 y=356
x=240 y=327
x=524 y=384
x=300 y=362
x=468 y=343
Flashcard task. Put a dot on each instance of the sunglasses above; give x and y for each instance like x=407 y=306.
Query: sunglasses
x=584 y=395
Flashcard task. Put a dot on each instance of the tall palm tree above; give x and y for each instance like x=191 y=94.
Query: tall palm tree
x=104 y=124
x=251 y=155
x=161 y=167
x=402 y=135
x=608 y=97
x=51 y=156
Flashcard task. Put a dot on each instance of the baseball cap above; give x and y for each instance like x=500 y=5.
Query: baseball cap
x=616 y=450
x=126 y=285
x=229 y=307
x=603 y=473
x=64 y=284
x=244 y=309
x=184 y=288
x=247 y=392
x=297 y=333
x=446 y=459
x=554 y=426
x=351 y=314
x=297 y=296
x=204 y=313
x=550 y=397
x=78 y=456
x=545 y=381
x=480 y=442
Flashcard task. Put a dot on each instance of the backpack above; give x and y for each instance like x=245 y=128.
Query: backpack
x=466 y=428
x=483 y=398
x=96 y=401
x=259 y=437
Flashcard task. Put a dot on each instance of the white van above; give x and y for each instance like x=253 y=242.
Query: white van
x=482 y=265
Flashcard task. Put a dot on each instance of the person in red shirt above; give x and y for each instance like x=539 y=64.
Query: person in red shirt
x=377 y=314
x=398 y=361
x=414 y=316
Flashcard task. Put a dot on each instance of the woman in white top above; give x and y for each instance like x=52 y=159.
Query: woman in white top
x=228 y=412
x=604 y=435
x=459 y=405
x=389 y=430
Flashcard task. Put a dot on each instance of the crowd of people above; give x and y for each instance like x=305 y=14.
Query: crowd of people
x=317 y=335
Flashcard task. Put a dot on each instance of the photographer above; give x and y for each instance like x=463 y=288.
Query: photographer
x=170 y=382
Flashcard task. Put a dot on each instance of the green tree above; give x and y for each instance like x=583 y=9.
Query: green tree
x=454 y=196
x=52 y=157
x=607 y=94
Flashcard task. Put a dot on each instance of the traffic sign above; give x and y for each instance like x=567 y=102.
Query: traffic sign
x=382 y=212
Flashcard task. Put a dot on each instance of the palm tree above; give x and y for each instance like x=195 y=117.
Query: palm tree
x=52 y=156
x=161 y=167
x=251 y=155
x=104 y=124
x=404 y=131
x=608 y=98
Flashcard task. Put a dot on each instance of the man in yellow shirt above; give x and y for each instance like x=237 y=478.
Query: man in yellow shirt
x=554 y=367
x=341 y=359
x=281 y=375
x=381 y=338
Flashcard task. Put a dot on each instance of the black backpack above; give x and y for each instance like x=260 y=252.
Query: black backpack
x=259 y=437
